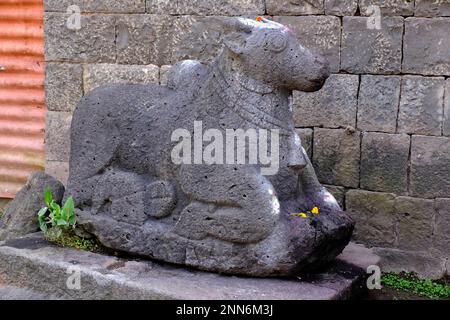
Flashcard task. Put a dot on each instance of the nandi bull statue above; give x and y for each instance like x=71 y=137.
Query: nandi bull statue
x=229 y=217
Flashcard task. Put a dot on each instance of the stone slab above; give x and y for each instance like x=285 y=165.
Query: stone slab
x=433 y=44
x=371 y=50
x=31 y=262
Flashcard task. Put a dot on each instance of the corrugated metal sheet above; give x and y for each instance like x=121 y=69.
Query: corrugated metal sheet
x=22 y=99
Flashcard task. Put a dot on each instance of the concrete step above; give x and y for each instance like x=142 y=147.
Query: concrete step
x=15 y=293
x=63 y=273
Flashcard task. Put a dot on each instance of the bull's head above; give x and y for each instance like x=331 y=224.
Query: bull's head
x=269 y=52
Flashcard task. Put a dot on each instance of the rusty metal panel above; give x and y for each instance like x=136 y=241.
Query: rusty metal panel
x=22 y=98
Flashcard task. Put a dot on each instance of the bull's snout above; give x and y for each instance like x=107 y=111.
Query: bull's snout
x=323 y=71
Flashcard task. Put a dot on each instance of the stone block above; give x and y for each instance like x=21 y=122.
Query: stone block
x=336 y=156
x=430 y=55
x=150 y=38
x=387 y=7
x=378 y=102
x=446 y=123
x=93 y=42
x=100 y=74
x=432 y=8
x=20 y=217
x=57 y=135
x=430 y=167
x=63 y=86
x=294 y=7
x=320 y=33
x=58 y=169
x=35 y=264
x=96 y=6
x=384 y=162
x=374 y=214
x=421 y=105
x=376 y=51
x=338 y=193
x=333 y=106
x=424 y=263
x=206 y=7
x=441 y=236
x=340 y=7
x=306 y=137
x=415 y=223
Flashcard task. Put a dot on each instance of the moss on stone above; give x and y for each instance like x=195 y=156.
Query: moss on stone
x=410 y=282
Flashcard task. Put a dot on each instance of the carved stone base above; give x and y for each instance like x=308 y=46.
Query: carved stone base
x=34 y=264
x=292 y=247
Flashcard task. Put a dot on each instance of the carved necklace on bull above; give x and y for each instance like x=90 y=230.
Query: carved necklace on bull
x=240 y=102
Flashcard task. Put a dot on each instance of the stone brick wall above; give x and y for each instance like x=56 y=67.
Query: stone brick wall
x=378 y=133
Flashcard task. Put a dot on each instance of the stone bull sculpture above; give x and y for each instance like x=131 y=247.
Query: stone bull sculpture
x=223 y=217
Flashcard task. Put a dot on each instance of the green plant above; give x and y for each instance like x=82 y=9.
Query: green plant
x=55 y=219
x=408 y=281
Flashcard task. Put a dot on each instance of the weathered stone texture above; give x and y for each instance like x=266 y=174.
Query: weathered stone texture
x=44 y=269
x=57 y=135
x=421 y=105
x=63 y=86
x=375 y=51
x=430 y=167
x=384 y=162
x=107 y=6
x=338 y=193
x=294 y=7
x=333 y=106
x=441 y=236
x=374 y=214
x=432 y=8
x=93 y=42
x=341 y=7
x=306 y=137
x=424 y=263
x=20 y=217
x=426 y=48
x=150 y=38
x=321 y=33
x=58 y=169
x=415 y=223
x=101 y=74
x=378 y=102
x=336 y=156
x=446 y=123
x=206 y=7
x=387 y=7
x=199 y=38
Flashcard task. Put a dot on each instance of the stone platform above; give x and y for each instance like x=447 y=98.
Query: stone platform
x=31 y=264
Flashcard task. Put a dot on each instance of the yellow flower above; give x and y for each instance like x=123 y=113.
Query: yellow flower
x=315 y=210
x=301 y=214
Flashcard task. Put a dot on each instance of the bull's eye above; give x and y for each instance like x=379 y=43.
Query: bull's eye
x=276 y=41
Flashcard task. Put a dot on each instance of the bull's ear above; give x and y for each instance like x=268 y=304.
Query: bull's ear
x=236 y=34
x=235 y=41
